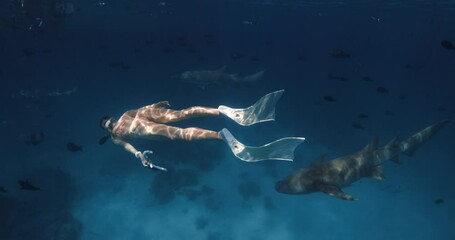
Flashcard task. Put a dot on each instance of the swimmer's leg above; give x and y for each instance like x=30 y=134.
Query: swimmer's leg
x=263 y=110
x=281 y=149
x=165 y=115
x=176 y=133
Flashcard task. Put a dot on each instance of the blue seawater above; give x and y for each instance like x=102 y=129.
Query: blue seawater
x=351 y=70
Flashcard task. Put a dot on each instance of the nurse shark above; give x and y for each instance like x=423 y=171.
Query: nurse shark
x=219 y=77
x=330 y=176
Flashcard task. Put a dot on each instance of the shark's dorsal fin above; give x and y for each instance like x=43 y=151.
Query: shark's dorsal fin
x=222 y=69
x=391 y=143
x=319 y=160
x=372 y=145
x=334 y=191
x=378 y=173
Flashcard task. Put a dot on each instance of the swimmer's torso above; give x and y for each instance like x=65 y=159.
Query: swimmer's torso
x=131 y=125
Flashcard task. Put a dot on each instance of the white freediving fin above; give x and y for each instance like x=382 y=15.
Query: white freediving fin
x=263 y=110
x=281 y=149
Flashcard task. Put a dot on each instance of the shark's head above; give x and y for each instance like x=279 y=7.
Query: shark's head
x=298 y=182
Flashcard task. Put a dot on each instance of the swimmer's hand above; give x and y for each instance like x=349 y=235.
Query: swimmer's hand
x=146 y=161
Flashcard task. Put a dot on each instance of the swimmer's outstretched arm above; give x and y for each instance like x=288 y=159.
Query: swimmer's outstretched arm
x=130 y=148
x=138 y=154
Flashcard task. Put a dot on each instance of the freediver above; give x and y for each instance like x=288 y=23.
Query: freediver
x=150 y=122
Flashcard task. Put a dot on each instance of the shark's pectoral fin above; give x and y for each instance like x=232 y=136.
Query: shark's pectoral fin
x=396 y=159
x=378 y=173
x=335 y=191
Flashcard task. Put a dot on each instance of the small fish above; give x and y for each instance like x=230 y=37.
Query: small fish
x=414 y=67
x=208 y=36
x=3 y=190
x=192 y=50
x=72 y=147
x=367 y=79
x=29 y=52
x=236 y=56
x=119 y=65
x=329 y=98
x=389 y=113
x=210 y=42
x=363 y=116
x=402 y=97
x=447 y=44
x=382 y=90
x=255 y=59
x=103 y=140
x=35 y=139
x=438 y=201
x=441 y=109
x=358 y=126
x=26 y=185
x=339 y=78
x=167 y=50
x=47 y=50
x=338 y=53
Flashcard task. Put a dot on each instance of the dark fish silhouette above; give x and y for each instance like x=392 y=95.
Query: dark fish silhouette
x=167 y=50
x=382 y=90
x=210 y=42
x=363 y=116
x=236 y=56
x=339 y=78
x=192 y=50
x=414 y=67
x=329 y=98
x=389 y=113
x=47 y=50
x=35 y=139
x=3 y=190
x=331 y=176
x=208 y=35
x=26 y=185
x=72 y=147
x=103 y=140
x=338 y=53
x=29 y=52
x=358 y=126
x=255 y=59
x=367 y=79
x=441 y=109
x=447 y=44
x=119 y=65
x=438 y=201
x=402 y=97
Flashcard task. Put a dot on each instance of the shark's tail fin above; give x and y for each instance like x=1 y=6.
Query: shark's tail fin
x=252 y=77
x=410 y=145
